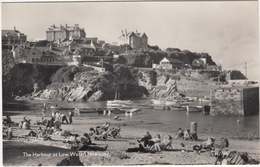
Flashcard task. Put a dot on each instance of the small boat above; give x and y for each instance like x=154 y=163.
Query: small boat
x=190 y=98
x=205 y=99
x=161 y=107
x=185 y=103
x=87 y=110
x=158 y=102
x=177 y=107
x=116 y=110
x=191 y=109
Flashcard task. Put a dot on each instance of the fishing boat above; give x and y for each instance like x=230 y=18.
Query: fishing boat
x=118 y=103
x=192 y=109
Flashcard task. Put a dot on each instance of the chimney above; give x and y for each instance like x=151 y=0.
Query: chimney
x=136 y=31
x=66 y=25
x=14 y=28
x=60 y=25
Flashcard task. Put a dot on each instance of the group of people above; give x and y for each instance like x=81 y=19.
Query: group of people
x=83 y=143
x=100 y=132
x=149 y=144
x=58 y=116
x=186 y=134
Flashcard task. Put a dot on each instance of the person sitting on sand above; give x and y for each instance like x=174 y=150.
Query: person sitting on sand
x=26 y=124
x=92 y=132
x=180 y=134
x=157 y=142
x=186 y=134
x=7 y=120
x=9 y=132
x=166 y=144
x=146 y=140
x=50 y=123
x=105 y=127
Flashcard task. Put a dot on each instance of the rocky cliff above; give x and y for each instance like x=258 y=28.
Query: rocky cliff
x=85 y=84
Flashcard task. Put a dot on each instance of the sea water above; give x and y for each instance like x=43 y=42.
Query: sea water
x=233 y=126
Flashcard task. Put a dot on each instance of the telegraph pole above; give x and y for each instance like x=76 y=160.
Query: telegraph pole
x=245 y=70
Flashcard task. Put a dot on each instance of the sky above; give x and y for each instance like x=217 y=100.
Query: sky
x=227 y=31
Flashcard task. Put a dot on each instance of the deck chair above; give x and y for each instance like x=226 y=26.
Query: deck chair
x=166 y=146
x=114 y=133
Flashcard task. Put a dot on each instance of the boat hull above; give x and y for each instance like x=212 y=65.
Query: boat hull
x=192 y=109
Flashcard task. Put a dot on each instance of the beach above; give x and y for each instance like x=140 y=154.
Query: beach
x=131 y=130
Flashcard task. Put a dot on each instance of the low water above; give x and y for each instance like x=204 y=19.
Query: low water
x=172 y=120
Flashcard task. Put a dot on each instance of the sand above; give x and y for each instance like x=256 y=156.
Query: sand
x=116 y=154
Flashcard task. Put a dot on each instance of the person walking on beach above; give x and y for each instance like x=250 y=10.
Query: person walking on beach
x=76 y=110
x=71 y=114
x=44 y=109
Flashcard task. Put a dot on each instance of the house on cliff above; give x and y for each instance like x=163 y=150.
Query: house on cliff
x=51 y=54
x=12 y=37
x=169 y=63
x=56 y=33
x=134 y=39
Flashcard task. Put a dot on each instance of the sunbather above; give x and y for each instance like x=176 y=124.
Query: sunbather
x=146 y=140
x=180 y=134
x=167 y=144
x=105 y=126
x=157 y=142
x=85 y=143
x=8 y=120
x=42 y=122
x=186 y=134
x=208 y=145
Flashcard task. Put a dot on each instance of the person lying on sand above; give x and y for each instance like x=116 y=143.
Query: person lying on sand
x=42 y=122
x=37 y=133
x=85 y=143
x=207 y=145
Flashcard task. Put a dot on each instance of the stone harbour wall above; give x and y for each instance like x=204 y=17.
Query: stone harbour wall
x=226 y=101
x=251 y=100
x=234 y=101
